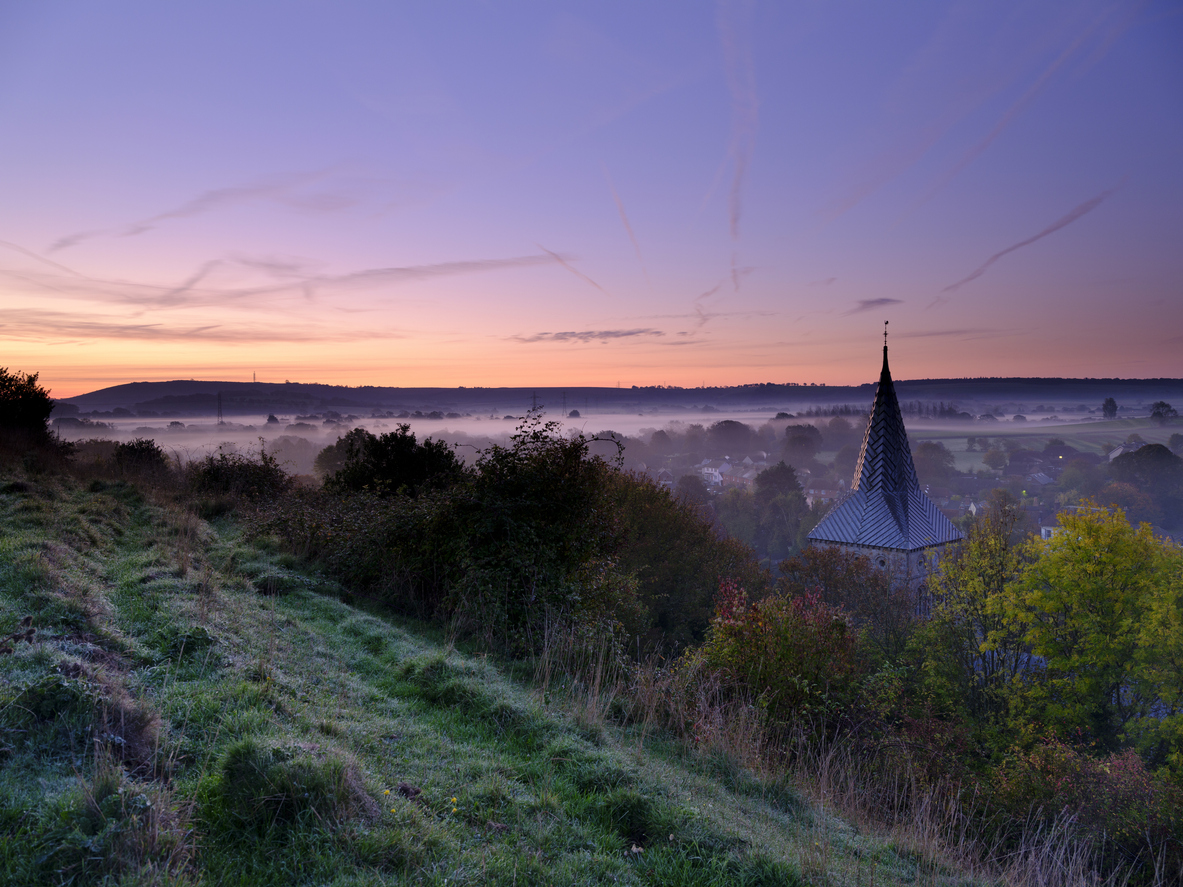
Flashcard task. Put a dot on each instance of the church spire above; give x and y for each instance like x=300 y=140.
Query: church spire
x=885 y=508
x=885 y=460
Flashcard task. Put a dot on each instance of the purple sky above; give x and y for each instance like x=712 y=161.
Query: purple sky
x=585 y=194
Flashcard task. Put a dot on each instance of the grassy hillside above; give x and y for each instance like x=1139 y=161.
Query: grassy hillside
x=179 y=705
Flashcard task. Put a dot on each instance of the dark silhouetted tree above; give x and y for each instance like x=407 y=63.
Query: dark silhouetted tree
x=1162 y=412
x=1109 y=408
x=389 y=463
x=24 y=405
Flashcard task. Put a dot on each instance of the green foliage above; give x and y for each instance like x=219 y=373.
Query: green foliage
x=528 y=535
x=389 y=463
x=1162 y=412
x=732 y=438
x=769 y=517
x=802 y=443
x=798 y=657
x=995 y=458
x=971 y=659
x=934 y=463
x=677 y=558
x=1156 y=473
x=1080 y=606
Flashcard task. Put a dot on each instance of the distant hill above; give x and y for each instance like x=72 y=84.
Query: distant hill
x=199 y=397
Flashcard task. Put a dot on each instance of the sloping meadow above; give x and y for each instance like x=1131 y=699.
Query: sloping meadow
x=178 y=705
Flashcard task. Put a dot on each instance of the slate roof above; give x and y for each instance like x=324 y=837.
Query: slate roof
x=885 y=507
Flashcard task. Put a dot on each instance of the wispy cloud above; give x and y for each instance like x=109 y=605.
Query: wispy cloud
x=56 y=326
x=199 y=289
x=586 y=336
x=824 y=282
x=871 y=304
x=281 y=189
x=966 y=333
x=1084 y=209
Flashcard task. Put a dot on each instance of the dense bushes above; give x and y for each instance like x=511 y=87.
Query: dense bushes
x=1131 y=816
x=798 y=657
x=388 y=463
x=235 y=475
x=538 y=530
x=678 y=560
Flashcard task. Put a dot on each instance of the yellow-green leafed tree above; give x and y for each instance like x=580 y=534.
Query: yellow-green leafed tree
x=1083 y=606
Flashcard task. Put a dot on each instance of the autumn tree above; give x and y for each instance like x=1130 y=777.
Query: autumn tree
x=971 y=655
x=934 y=463
x=995 y=458
x=1080 y=606
x=852 y=583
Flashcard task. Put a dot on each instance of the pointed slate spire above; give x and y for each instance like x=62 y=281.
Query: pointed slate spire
x=885 y=507
x=885 y=460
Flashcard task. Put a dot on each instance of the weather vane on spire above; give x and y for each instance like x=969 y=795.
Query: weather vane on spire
x=885 y=333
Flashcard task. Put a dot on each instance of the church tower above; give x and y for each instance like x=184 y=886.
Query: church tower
x=886 y=516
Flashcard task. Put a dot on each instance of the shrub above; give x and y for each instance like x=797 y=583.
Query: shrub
x=678 y=559
x=798 y=656
x=1130 y=815
x=141 y=457
x=389 y=463
x=24 y=431
x=236 y=475
x=850 y=581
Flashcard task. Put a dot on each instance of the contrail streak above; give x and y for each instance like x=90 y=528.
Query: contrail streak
x=1084 y=209
x=1022 y=102
x=571 y=268
x=741 y=81
x=627 y=226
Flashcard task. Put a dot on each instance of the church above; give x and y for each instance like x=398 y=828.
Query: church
x=886 y=516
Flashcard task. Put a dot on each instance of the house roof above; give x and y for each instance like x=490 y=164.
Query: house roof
x=885 y=508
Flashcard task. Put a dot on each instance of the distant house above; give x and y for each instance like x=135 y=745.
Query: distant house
x=712 y=472
x=665 y=478
x=740 y=478
x=1128 y=447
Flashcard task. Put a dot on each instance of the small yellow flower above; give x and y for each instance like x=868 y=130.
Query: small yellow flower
x=392 y=810
x=386 y=792
x=453 y=800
